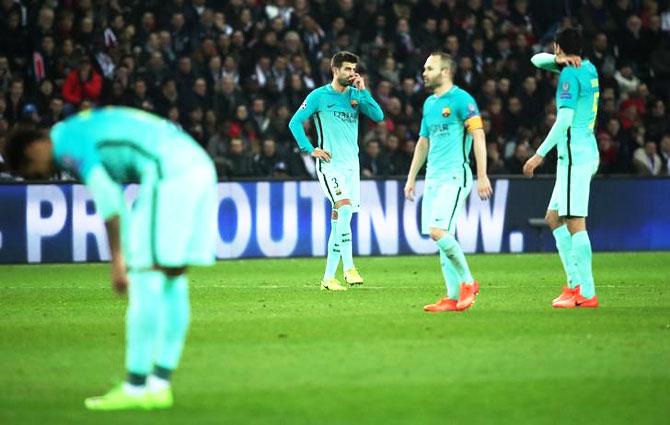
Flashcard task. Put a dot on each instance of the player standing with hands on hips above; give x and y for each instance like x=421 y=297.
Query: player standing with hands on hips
x=335 y=109
x=450 y=126
x=578 y=157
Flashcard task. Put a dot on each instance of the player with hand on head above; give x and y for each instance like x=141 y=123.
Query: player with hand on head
x=450 y=127
x=172 y=225
x=578 y=158
x=335 y=109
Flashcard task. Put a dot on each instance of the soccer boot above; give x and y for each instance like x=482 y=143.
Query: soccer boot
x=118 y=399
x=467 y=295
x=582 y=302
x=352 y=277
x=332 y=284
x=566 y=295
x=160 y=399
x=443 y=304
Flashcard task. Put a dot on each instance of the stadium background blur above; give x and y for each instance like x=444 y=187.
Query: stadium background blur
x=232 y=72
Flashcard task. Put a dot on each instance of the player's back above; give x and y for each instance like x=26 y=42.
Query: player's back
x=127 y=141
x=579 y=89
x=587 y=101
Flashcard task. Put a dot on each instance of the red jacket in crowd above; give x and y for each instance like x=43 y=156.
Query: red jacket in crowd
x=77 y=89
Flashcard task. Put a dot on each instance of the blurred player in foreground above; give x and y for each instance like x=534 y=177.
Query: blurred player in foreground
x=172 y=225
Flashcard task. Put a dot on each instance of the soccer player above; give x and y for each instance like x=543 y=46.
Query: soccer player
x=577 y=103
x=172 y=225
x=335 y=108
x=449 y=127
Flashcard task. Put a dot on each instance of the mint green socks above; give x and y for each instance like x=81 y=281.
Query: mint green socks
x=143 y=317
x=175 y=320
x=581 y=250
x=344 y=214
x=156 y=322
x=452 y=279
x=333 y=256
x=455 y=255
x=564 y=246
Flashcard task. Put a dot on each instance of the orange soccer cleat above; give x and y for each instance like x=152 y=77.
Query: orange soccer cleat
x=566 y=295
x=582 y=302
x=443 y=304
x=575 y=300
x=468 y=293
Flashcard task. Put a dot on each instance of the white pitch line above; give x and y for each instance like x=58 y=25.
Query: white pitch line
x=298 y=287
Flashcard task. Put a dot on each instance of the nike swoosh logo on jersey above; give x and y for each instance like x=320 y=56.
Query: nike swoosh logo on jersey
x=331 y=105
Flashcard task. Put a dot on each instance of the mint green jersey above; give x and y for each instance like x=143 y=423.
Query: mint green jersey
x=444 y=124
x=125 y=141
x=110 y=146
x=578 y=90
x=335 y=118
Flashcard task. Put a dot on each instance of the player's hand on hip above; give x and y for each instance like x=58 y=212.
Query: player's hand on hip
x=319 y=153
x=484 y=188
x=569 y=60
x=358 y=81
x=410 y=190
x=532 y=163
x=119 y=276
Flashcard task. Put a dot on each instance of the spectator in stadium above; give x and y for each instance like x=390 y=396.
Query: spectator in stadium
x=515 y=163
x=665 y=155
x=83 y=83
x=268 y=159
x=646 y=160
x=239 y=162
x=373 y=163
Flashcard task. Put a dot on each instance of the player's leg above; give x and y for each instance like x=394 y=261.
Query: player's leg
x=562 y=236
x=144 y=305
x=327 y=182
x=575 y=211
x=351 y=189
x=581 y=244
x=333 y=255
x=447 y=205
x=187 y=228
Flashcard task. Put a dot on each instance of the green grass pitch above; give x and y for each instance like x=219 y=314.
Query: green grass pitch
x=267 y=347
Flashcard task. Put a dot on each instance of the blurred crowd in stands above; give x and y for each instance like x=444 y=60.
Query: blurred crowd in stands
x=232 y=72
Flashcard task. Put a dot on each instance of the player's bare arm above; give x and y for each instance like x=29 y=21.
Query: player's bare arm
x=119 y=273
x=419 y=158
x=532 y=163
x=479 y=145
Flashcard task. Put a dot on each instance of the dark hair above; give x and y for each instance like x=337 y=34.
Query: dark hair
x=446 y=60
x=17 y=142
x=570 y=41
x=342 y=57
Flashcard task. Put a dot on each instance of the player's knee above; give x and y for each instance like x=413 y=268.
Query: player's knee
x=342 y=203
x=436 y=234
x=173 y=271
x=552 y=219
x=333 y=214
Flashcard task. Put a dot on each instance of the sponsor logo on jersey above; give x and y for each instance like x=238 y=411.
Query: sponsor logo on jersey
x=436 y=129
x=348 y=117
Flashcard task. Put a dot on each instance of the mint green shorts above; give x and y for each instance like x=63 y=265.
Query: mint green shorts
x=572 y=188
x=173 y=222
x=442 y=204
